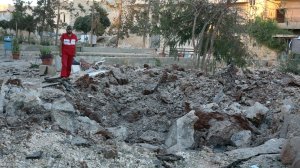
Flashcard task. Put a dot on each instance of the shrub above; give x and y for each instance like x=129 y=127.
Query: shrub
x=291 y=64
x=263 y=30
x=45 y=52
x=15 y=46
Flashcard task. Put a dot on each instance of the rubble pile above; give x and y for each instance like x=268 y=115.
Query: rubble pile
x=152 y=117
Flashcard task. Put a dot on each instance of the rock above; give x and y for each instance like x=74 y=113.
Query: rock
x=110 y=154
x=63 y=105
x=219 y=97
x=64 y=120
x=234 y=108
x=50 y=94
x=149 y=146
x=220 y=132
x=120 y=132
x=181 y=134
x=79 y=141
x=272 y=146
x=166 y=97
x=241 y=138
x=47 y=70
x=290 y=153
x=256 y=113
x=290 y=126
x=287 y=106
x=35 y=155
x=217 y=128
x=88 y=126
x=262 y=161
x=149 y=89
x=2 y=95
x=169 y=157
x=121 y=77
x=152 y=136
x=211 y=107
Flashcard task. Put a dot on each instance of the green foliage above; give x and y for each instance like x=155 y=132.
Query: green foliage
x=46 y=52
x=44 y=15
x=228 y=46
x=291 y=64
x=4 y=24
x=18 y=14
x=263 y=30
x=230 y=50
x=101 y=21
x=157 y=62
x=15 y=46
x=45 y=42
x=34 y=66
x=83 y=23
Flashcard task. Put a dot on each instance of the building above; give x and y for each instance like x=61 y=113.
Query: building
x=285 y=12
x=5 y=11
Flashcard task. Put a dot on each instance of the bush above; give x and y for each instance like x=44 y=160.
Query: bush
x=263 y=30
x=15 y=46
x=46 y=42
x=45 y=52
x=291 y=64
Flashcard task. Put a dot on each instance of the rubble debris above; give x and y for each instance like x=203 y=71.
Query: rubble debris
x=16 y=82
x=290 y=153
x=130 y=113
x=35 y=155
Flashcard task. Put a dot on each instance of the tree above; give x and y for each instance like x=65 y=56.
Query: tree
x=83 y=23
x=100 y=21
x=29 y=25
x=202 y=24
x=44 y=12
x=263 y=30
x=18 y=15
x=5 y=25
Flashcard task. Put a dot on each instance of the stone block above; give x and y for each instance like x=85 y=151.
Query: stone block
x=47 y=70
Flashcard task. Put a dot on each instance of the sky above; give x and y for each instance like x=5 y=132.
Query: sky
x=12 y=2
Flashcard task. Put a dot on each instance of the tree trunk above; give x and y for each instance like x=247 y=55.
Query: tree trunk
x=92 y=25
x=205 y=50
x=212 y=40
x=29 y=37
x=193 y=34
x=119 y=23
x=57 y=22
x=201 y=43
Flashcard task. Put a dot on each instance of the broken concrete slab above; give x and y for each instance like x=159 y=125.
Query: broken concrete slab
x=181 y=134
x=272 y=146
x=47 y=70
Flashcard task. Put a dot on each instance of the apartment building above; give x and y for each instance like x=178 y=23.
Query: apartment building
x=5 y=11
x=285 y=12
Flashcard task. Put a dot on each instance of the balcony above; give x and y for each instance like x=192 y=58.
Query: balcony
x=289 y=25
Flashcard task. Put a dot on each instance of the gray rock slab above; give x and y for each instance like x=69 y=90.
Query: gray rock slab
x=64 y=120
x=181 y=134
x=63 y=105
x=255 y=110
x=272 y=146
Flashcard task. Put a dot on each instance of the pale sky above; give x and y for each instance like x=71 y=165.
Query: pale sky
x=12 y=2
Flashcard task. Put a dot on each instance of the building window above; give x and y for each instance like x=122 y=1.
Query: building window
x=252 y=2
x=280 y=15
